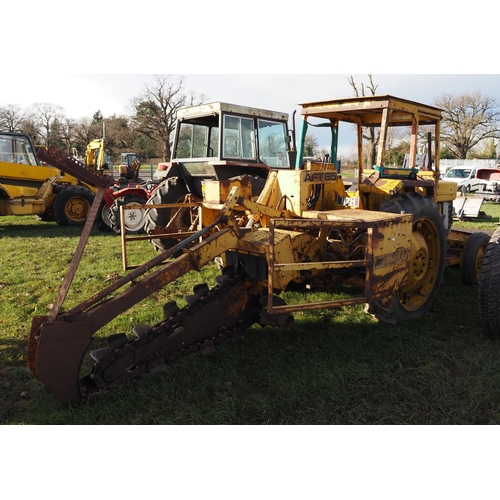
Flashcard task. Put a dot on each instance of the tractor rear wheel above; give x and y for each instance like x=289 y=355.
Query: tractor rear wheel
x=489 y=287
x=427 y=261
x=171 y=190
x=72 y=206
x=134 y=219
x=472 y=257
x=102 y=219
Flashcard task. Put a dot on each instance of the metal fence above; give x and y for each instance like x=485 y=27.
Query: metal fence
x=468 y=163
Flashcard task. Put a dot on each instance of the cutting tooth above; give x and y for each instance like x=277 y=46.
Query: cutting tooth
x=222 y=280
x=237 y=337
x=117 y=340
x=228 y=271
x=208 y=348
x=192 y=300
x=99 y=355
x=141 y=330
x=170 y=309
x=201 y=289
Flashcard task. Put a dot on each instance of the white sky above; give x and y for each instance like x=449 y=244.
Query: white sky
x=82 y=95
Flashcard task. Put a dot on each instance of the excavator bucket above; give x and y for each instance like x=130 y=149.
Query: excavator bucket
x=55 y=353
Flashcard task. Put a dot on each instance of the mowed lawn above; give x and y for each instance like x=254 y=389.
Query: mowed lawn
x=332 y=367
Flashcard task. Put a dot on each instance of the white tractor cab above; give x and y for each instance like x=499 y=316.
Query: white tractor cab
x=217 y=141
x=221 y=140
x=465 y=177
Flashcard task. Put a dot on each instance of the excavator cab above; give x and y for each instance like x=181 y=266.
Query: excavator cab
x=130 y=165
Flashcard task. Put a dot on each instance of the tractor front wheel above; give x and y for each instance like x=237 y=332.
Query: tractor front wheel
x=426 y=265
x=72 y=206
x=134 y=218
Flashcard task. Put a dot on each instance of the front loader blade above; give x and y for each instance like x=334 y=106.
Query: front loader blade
x=61 y=349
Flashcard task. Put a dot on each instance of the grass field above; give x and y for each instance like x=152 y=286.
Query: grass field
x=332 y=367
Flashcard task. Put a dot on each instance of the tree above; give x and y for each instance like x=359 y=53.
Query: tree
x=468 y=119
x=97 y=117
x=310 y=146
x=48 y=119
x=369 y=133
x=487 y=150
x=11 y=118
x=156 y=108
x=119 y=134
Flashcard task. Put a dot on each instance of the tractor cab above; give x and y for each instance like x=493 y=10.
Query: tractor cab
x=221 y=140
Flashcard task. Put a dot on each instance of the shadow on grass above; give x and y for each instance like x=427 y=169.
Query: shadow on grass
x=17 y=227
x=333 y=367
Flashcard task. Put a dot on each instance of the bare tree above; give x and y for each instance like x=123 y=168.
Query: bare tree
x=468 y=119
x=369 y=133
x=48 y=118
x=11 y=118
x=68 y=128
x=155 y=109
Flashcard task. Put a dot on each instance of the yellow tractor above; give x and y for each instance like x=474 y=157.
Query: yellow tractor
x=28 y=187
x=383 y=242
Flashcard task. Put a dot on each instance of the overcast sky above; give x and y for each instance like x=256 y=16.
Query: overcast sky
x=82 y=95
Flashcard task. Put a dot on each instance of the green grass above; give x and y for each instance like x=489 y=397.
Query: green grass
x=332 y=367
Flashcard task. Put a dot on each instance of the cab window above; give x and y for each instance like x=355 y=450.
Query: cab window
x=272 y=143
x=239 y=138
x=197 y=140
x=16 y=150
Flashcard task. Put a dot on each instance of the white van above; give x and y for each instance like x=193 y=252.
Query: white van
x=465 y=177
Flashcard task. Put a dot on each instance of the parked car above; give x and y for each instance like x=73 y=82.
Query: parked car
x=465 y=177
x=489 y=188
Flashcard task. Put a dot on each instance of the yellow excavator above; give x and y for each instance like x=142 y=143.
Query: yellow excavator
x=384 y=243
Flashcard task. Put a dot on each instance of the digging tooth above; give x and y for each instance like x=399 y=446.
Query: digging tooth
x=117 y=340
x=222 y=280
x=141 y=330
x=192 y=300
x=170 y=309
x=99 y=355
x=157 y=366
x=228 y=271
x=202 y=289
x=208 y=348
x=237 y=337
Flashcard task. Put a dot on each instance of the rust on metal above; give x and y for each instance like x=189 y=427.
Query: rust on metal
x=69 y=165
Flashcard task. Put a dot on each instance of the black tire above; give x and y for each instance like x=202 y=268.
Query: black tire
x=472 y=258
x=102 y=219
x=171 y=190
x=134 y=219
x=72 y=206
x=427 y=261
x=489 y=287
